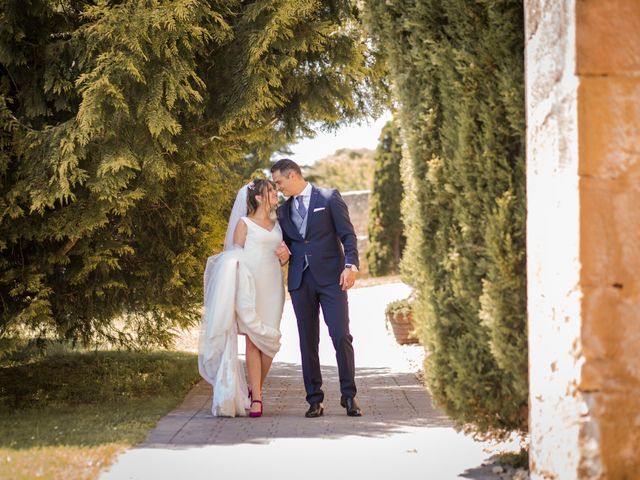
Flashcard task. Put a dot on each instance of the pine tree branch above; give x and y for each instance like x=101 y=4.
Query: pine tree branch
x=26 y=127
x=13 y=80
x=4 y=328
x=68 y=246
x=47 y=129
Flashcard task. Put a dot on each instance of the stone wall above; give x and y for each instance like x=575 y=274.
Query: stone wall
x=608 y=65
x=583 y=232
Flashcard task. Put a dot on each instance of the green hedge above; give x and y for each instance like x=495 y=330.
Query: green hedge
x=457 y=72
x=386 y=239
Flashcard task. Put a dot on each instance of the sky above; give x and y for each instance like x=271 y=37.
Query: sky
x=366 y=135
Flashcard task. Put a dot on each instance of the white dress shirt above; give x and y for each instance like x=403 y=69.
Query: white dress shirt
x=306 y=197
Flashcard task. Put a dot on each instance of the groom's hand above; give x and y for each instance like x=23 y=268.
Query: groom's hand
x=283 y=254
x=347 y=279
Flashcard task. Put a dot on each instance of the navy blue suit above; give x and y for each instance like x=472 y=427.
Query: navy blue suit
x=329 y=242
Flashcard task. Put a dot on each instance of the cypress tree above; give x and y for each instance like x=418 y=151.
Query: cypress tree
x=457 y=72
x=127 y=128
x=386 y=239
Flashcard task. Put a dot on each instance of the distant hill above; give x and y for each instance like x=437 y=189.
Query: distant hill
x=347 y=169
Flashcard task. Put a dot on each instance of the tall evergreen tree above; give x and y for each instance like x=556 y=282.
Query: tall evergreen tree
x=127 y=127
x=457 y=69
x=386 y=239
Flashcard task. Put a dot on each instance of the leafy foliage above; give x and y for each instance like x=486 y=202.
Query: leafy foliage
x=457 y=73
x=127 y=128
x=386 y=239
x=403 y=306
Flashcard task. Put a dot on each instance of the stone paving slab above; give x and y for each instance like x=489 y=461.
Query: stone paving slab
x=400 y=434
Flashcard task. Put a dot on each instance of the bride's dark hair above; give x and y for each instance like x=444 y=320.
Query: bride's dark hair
x=258 y=186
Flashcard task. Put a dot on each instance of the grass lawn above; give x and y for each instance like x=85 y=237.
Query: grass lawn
x=69 y=415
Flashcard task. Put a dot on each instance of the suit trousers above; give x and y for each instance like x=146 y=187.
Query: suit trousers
x=307 y=301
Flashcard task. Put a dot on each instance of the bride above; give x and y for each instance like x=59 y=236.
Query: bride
x=243 y=294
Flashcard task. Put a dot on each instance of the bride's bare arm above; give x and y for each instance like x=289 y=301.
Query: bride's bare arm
x=240 y=234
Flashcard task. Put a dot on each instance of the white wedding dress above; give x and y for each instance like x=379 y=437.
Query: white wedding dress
x=243 y=294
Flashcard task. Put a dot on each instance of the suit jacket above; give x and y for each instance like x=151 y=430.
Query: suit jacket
x=329 y=242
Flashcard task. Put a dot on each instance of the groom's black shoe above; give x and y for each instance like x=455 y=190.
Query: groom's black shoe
x=315 y=410
x=353 y=409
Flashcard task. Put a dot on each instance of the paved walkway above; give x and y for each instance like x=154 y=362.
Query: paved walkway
x=400 y=433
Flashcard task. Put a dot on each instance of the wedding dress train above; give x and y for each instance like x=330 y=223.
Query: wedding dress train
x=243 y=294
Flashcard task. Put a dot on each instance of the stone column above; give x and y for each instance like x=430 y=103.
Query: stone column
x=583 y=230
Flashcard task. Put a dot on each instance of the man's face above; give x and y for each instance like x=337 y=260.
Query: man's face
x=284 y=182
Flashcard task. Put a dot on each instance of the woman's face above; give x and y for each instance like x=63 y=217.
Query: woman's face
x=271 y=196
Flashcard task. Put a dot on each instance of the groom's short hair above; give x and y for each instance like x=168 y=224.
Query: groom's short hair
x=285 y=166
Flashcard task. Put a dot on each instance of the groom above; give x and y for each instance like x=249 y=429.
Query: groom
x=323 y=265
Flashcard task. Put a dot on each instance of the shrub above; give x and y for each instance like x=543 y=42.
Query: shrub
x=457 y=70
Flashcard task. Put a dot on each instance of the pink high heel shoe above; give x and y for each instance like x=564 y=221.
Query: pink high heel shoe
x=256 y=414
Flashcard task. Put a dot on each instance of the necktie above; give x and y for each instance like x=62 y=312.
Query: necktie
x=302 y=210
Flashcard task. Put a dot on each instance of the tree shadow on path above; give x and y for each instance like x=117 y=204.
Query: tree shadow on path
x=392 y=402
